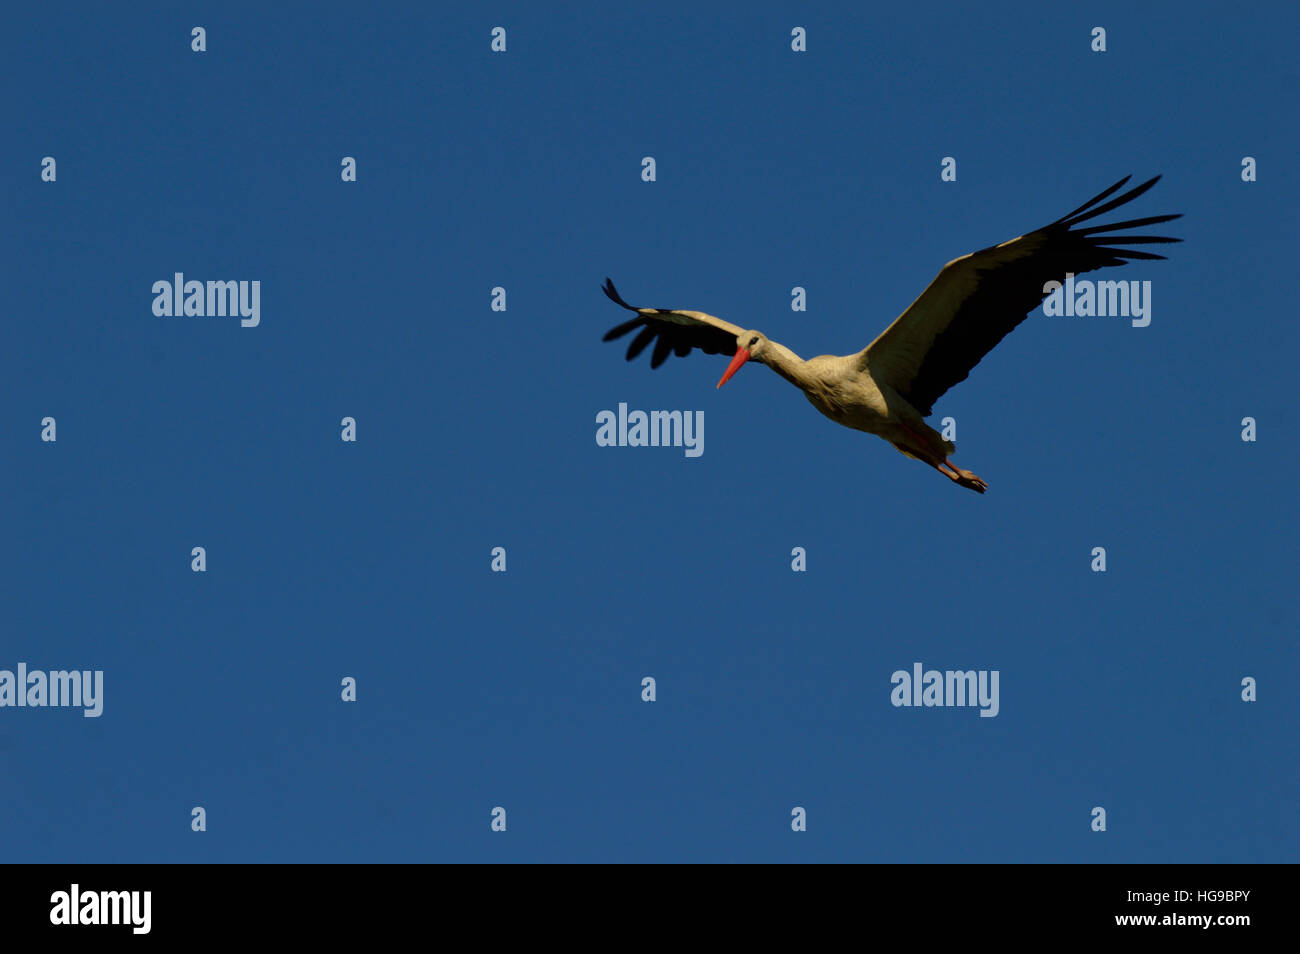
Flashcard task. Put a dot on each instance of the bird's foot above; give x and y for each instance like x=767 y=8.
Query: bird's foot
x=967 y=479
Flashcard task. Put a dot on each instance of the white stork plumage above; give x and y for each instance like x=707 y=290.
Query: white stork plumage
x=890 y=386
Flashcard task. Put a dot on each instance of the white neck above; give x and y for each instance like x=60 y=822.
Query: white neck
x=786 y=363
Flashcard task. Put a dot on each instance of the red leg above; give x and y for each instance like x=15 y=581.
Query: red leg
x=963 y=477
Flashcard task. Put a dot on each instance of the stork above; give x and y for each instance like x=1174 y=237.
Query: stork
x=891 y=385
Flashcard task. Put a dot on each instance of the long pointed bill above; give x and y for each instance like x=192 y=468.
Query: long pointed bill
x=741 y=357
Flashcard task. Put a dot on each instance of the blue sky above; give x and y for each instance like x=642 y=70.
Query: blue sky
x=476 y=429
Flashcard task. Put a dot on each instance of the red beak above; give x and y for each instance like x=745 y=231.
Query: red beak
x=741 y=357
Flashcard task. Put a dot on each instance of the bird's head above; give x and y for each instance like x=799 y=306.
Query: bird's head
x=749 y=344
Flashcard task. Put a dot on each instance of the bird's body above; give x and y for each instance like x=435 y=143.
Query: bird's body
x=836 y=386
x=889 y=387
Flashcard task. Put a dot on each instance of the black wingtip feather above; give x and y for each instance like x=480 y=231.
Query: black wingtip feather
x=663 y=348
x=619 y=331
x=1130 y=224
x=1096 y=198
x=1082 y=216
x=1126 y=253
x=639 y=343
x=612 y=292
x=1132 y=239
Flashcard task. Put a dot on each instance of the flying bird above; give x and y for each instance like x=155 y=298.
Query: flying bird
x=891 y=385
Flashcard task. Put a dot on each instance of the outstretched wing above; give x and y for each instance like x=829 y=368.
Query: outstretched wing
x=673 y=332
x=977 y=299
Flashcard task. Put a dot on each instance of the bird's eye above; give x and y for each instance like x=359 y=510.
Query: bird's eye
x=752 y=342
